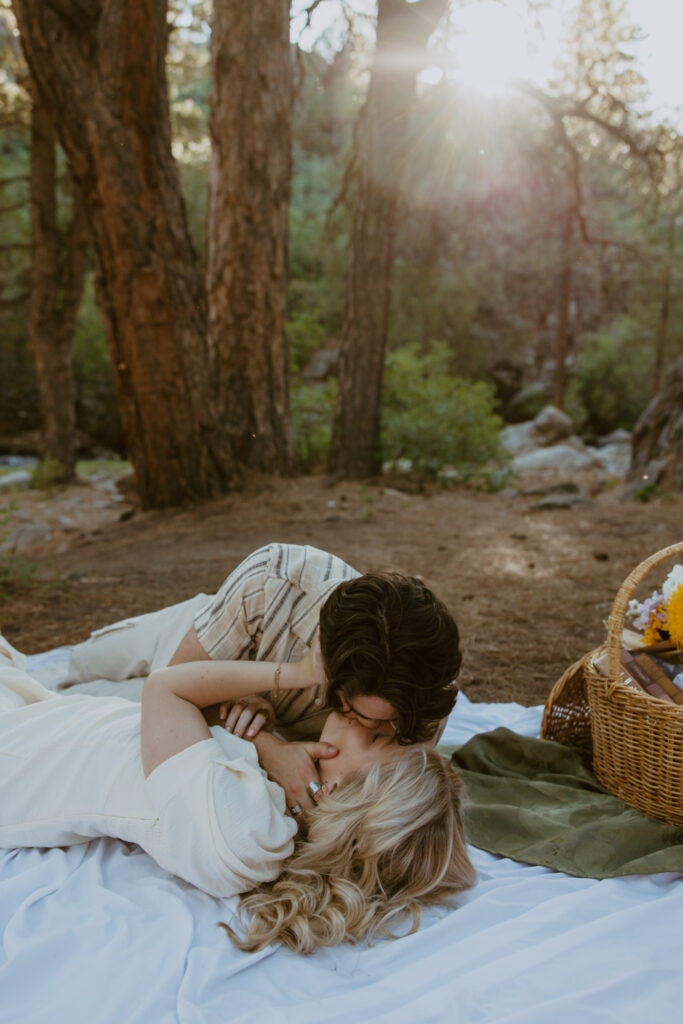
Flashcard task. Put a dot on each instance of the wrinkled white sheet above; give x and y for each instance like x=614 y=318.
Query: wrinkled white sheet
x=99 y=934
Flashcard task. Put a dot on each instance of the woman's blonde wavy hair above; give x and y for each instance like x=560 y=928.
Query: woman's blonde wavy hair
x=384 y=845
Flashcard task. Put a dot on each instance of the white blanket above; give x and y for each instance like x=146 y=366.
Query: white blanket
x=99 y=934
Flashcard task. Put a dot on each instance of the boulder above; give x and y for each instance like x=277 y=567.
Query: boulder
x=18 y=478
x=518 y=438
x=619 y=436
x=615 y=458
x=552 y=501
x=548 y=428
x=528 y=402
x=567 y=457
x=552 y=426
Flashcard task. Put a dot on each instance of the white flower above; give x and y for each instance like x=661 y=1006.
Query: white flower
x=672 y=582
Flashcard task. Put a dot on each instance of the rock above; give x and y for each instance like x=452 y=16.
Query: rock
x=556 y=457
x=19 y=461
x=615 y=459
x=551 y=426
x=566 y=487
x=518 y=438
x=528 y=402
x=19 y=478
x=25 y=536
x=552 y=501
x=619 y=436
x=548 y=428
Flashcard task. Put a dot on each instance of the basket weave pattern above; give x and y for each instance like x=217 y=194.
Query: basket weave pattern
x=637 y=739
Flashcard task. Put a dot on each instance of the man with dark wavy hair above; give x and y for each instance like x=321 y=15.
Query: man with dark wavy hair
x=389 y=655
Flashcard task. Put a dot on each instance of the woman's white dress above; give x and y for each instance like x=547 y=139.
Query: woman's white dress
x=71 y=771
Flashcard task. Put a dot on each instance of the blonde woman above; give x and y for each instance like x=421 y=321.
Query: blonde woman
x=386 y=836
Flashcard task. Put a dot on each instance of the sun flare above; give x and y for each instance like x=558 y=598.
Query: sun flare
x=495 y=44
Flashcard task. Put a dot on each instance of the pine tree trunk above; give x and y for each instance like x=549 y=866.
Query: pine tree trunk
x=665 y=305
x=57 y=277
x=562 y=334
x=99 y=67
x=382 y=144
x=247 y=226
x=657 y=440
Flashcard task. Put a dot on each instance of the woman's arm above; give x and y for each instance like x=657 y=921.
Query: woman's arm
x=172 y=698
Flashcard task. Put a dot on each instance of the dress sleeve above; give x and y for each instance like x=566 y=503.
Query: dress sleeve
x=228 y=625
x=222 y=822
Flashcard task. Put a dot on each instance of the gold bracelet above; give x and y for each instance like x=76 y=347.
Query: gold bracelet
x=276 y=678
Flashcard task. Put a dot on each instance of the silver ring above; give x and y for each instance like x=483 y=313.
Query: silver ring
x=313 y=787
x=296 y=809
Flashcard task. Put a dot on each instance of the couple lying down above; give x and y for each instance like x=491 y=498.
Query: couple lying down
x=326 y=840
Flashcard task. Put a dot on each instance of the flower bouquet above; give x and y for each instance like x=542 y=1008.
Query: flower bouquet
x=660 y=617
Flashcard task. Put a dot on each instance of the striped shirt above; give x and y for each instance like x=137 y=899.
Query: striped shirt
x=268 y=609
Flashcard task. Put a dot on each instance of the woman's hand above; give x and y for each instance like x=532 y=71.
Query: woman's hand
x=245 y=717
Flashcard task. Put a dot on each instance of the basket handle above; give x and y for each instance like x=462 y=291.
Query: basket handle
x=626 y=591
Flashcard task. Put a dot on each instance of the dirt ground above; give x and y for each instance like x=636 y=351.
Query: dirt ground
x=531 y=589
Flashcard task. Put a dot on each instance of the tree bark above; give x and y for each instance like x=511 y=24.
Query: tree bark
x=57 y=277
x=657 y=440
x=382 y=145
x=562 y=333
x=665 y=304
x=247 y=226
x=99 y=68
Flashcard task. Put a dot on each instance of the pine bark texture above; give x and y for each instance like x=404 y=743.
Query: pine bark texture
x=247 y=226
x=99 y=67
x=58 y=271
x=657 y=440
x=382 y=144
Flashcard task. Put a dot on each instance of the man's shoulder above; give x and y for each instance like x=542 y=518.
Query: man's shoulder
x=305 y=566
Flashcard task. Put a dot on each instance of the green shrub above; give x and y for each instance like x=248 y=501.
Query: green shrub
x=48 y=474
x=434 y=418
x=304 y=335
x=311 y=412
x=611 y=384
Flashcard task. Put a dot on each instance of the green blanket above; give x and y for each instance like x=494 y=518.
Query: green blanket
x=538 y=802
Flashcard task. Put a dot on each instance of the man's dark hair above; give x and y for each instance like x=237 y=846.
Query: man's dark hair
x=386 y=635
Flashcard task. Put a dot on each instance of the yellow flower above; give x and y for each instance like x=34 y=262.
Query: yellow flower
x=652 y=634
x=674 y=617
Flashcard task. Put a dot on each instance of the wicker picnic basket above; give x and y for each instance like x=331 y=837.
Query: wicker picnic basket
x=637 y=739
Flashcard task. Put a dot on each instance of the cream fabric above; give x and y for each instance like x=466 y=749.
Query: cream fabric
x=71 y=770
x=268 y=609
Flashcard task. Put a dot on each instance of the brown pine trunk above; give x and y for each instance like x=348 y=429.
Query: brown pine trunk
x=562 y=334
x=99 y=68
x=57 y=277
x=665 y=306
x=382 y=146
x=247 y=226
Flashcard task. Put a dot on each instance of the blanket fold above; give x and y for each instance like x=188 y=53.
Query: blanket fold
x=538 y=801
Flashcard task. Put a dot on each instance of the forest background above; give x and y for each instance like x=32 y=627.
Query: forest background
x=535 y=255
x=224 y=252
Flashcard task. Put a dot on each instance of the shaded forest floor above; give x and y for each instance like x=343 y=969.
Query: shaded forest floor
x=530 y=589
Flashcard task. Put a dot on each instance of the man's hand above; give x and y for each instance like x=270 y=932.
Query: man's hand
x=293 y=766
